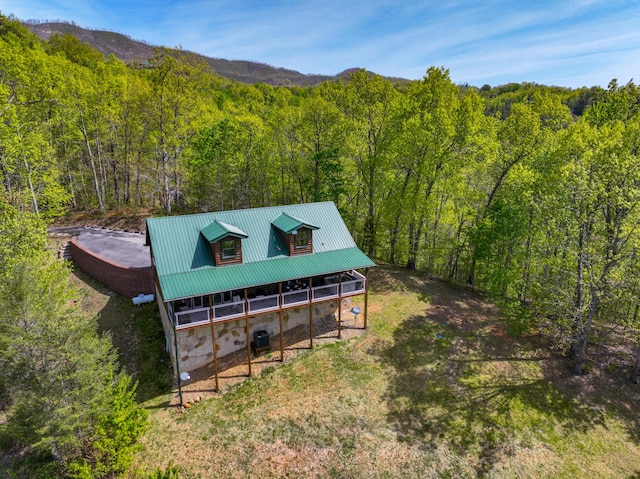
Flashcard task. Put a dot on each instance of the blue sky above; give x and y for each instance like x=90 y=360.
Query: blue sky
x=569 y=43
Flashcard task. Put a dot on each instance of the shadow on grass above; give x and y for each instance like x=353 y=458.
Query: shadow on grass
x=439 y=394
x=138 y=337
x=460 y=380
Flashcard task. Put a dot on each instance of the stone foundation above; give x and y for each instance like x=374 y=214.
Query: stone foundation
x=195 y=345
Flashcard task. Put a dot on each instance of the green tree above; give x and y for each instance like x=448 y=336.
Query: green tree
x=74 y=50
x=67 y=400
x=309 y=138
x=176 y=111
x=370 y=103
x=28 y=100
x=520 y=138
x=435 y=140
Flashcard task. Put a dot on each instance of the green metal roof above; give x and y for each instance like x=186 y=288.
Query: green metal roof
x=185 y=266
x=288 y=223
x=218 y=230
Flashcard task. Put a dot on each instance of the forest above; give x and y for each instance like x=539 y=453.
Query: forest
x=528 y=192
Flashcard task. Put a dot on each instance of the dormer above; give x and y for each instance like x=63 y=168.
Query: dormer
x=297 y=234
x=225 y=241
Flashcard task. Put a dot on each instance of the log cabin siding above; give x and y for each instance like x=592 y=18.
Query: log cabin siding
x=291 y=242
x=216 y=250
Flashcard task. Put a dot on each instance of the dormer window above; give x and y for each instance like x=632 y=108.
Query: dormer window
x=295 y=233
x=228 y=247
x=301 y=239
x=225 y=241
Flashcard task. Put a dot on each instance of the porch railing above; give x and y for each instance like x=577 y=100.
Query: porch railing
x=264 y=303
x=291 y=298
x=192 y=317
x=234 y=309
x=350 y=284
x=326 y=291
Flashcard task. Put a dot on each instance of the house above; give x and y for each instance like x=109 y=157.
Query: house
x=228 y=279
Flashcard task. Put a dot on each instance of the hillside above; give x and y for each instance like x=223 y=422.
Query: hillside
x=123 y=47
x=136 y=51
x=434 y=388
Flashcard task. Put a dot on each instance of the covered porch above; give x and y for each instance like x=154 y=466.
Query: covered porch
x=228 y=305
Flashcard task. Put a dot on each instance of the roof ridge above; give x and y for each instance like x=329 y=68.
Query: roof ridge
x=256 y=208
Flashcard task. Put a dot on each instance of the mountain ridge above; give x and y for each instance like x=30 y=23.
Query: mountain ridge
x=132 y=51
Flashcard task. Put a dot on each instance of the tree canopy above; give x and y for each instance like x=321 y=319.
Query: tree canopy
x=526 y=191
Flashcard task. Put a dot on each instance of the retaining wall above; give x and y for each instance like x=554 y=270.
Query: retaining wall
x=124 y=280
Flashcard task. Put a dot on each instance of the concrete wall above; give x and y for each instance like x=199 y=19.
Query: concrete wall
x=196 y=347
x=124 y=280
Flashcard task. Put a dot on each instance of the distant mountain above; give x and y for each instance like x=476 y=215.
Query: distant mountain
x=134 y=51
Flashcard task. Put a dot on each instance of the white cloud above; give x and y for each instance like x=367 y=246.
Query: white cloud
x=573 y=43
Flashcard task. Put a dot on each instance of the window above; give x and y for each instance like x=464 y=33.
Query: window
x=224 y=297
x=228 y=248
x=301 y=239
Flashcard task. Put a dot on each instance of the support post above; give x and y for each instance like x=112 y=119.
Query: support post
x=310 y=314
x=281 y=335
x=366 y=296
x=246 y=327
x=340 y=308
x=175 y=342
x=213 y=342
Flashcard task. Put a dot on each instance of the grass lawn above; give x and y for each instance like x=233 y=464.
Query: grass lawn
x=435 y=388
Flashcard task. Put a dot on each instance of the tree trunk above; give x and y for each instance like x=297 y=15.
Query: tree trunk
x=31 y=189
x=526 y=275
x=102 y=168
x=577 y=325
x=434 y=238
x=370 y=229
x=454 y=255
x=414 y=239
x=415 y=234
x=394 y=240
x=471 y=279
x=396 y=225
x=127 y=180
x=96 y=182
x=116 y=183
x=246 y=200
x=165 y=192
x=583 y=336
x=316 y=174
x=636 y=367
